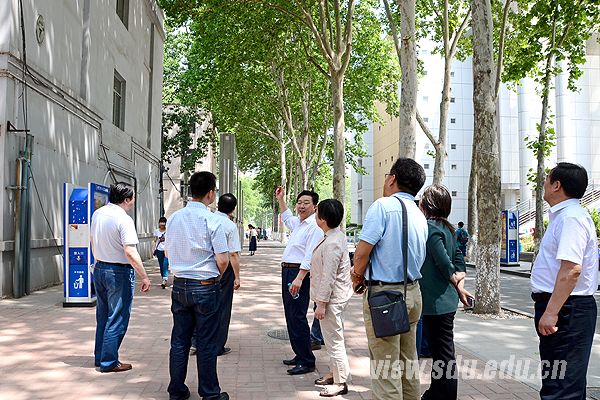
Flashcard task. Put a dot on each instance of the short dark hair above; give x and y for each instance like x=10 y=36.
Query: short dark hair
x=162 y=219
x=201 y=183
x=227 y=203
x=331 y=211
x=461 y=224
x=119 y=192
x=313 y=195
x=410 y=175
x=436 y=204
x=572 y=177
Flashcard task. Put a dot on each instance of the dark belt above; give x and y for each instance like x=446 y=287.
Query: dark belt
x=113 y=263
x=210 y=281
x=382 y=283
x=290 y=265
x=544 y=296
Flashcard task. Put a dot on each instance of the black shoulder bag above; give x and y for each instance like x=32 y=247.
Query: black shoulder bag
x=388 y=308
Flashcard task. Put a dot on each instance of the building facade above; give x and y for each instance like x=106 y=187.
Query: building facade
x=85 y=79
x=577 y=125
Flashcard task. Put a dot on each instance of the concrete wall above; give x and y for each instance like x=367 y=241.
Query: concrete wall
x=69 y=109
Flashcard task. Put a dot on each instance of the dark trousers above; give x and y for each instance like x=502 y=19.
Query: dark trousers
x=225 y=306
x=439 y=332
x=295 y=317
x=114 y=295
x=565 y=354
x=194 y=307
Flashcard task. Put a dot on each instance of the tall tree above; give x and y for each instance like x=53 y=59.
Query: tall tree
x=550 y=31
x=488 y=182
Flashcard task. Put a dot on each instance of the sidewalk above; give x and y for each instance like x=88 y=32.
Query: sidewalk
x=46 y=350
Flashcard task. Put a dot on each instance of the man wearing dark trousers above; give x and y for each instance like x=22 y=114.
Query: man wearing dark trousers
x=564 y=279
x=198 y=255
x=295 y=280
x=230 y=280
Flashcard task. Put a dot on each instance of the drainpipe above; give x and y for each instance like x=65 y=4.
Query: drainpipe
x=22 y=251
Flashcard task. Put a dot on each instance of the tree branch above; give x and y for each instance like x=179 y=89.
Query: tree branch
x=426 y=129
x=390 y=17
x=348 y=37
x=459 y=32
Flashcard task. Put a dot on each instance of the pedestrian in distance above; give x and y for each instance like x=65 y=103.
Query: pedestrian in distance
x=198 y=255
x=331 y=289
x=462 y=238
x=381 y=244
x=158 y=244
x=295 y=279
x=114 y=241
x=253 y=235
x=564 y=279
x=442 y=285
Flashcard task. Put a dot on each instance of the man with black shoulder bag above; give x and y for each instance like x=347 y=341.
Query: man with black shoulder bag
x=387 y=265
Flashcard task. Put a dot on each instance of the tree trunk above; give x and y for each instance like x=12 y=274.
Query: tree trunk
x=472 y=225
x=339 y=148
x=488 y=182
x=408 y=90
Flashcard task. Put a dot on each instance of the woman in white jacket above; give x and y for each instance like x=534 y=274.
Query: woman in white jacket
x=331 y=289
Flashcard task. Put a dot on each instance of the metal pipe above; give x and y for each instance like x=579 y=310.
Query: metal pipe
x=17 y=263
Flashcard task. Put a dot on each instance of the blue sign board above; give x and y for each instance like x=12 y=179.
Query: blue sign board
x=509 y=247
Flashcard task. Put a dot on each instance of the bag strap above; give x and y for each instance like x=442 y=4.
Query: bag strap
x=404 y=249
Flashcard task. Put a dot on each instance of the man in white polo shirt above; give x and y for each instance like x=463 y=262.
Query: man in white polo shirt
x=564 y=279
x=114 y=240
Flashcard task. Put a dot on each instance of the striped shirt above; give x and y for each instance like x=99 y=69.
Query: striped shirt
x=195 y=235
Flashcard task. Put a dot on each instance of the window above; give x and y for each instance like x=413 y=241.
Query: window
x=452 y=99
x=426 y=146
x=452 y=120
x=380 y=163
x=425 y=98
x=453 y=146
x=119 y=101
x=426 y=166
x=424 y=73
x=451 y=73
x=123 y=11
x=426 y=119
x=453 y=166
x=454 y=193
x=392 y=158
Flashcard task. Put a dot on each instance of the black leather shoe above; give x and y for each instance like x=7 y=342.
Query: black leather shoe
x=222 y=396
x=226 y=350
x=300 y=369
x=184 y=397
x=290 y=362
x=315 y=346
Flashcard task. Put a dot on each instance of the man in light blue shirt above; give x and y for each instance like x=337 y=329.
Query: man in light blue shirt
x=198 y=252
x=381 y=245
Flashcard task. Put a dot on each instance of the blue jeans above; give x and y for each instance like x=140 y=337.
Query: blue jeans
x=225 y=306
x=570 y=346
x=295 y=317
x=114 y=294
x=163 y=263
x=195 y=307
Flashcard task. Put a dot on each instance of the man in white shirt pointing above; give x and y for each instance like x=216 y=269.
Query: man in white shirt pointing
x=564 y=279
x=295 y=279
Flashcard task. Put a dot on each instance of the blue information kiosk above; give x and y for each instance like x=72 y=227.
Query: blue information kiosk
x=509 y=248
x=79 y=205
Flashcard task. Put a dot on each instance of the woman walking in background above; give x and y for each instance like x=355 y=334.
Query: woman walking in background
x=158 y=244
x=442 y=285
x=331 y=289
x=253 y=235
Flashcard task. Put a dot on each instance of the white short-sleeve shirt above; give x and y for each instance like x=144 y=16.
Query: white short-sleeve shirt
x=112 y=229
x=571 y=236
x=158 y=235
x=231 y=231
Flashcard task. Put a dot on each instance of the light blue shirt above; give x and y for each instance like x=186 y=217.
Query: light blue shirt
x=382 y=228
x=195 y=235
x=231 y=231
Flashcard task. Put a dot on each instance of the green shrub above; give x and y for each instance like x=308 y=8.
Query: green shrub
x=527 y=243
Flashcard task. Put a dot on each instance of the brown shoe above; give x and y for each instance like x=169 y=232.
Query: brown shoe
x=121 y=367
x=324 y=380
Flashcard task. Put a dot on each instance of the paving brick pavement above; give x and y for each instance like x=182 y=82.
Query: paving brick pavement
x=46 y=351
